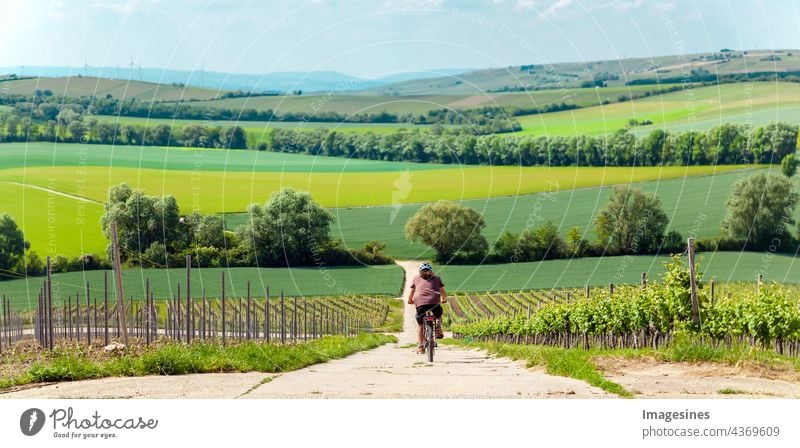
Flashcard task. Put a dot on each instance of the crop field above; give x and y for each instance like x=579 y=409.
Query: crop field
x=298 y=281
x=698 y=108
x=260 y=131
x=421 y=104
x=724 y=267
x=69 y=183
x=74 y=86
x=694 y=204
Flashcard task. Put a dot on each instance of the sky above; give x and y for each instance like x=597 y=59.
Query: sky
x=379 y=37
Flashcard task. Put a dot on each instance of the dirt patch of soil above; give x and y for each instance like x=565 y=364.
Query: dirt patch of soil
x=650 y=378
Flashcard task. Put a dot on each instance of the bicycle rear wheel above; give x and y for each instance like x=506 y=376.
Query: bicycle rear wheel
x=429 y=340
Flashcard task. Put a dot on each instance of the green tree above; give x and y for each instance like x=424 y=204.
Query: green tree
x=33 y=264
x=450 y=229
x=12 y=245
x=505 y=246
x=290 y=228
x=210 y=231
x=576 y=245
x=789 y=165
x=632 y=222
x=143 y=220
x=759 y=209
x=541 y=243
x=234 y=137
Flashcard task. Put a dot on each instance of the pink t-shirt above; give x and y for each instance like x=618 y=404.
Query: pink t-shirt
x=427 y=292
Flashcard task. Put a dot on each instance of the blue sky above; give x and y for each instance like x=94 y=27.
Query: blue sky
x=379 y=37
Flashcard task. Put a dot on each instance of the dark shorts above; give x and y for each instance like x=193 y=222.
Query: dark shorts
x=422 y=309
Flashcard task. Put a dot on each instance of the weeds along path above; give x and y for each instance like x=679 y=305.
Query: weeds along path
x=389 y=371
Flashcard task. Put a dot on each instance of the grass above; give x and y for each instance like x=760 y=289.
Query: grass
x=395 y=322
x=698 y=108
x=299 y=281
x=729 y=391
x=556 y=361
x=76 y=362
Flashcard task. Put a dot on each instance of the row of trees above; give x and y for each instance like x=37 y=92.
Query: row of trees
x=759 y=217
x=724 y=144
x=71 y=127
x=290 y=229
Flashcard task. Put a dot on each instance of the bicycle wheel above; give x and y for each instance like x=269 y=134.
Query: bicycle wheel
x=429 y=341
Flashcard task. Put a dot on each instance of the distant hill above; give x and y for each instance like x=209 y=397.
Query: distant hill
x=612 y=72
x=313 y=81
x=75 y=86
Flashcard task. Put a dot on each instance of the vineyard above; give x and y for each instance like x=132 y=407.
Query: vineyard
x=92 y=319
x=647 y=315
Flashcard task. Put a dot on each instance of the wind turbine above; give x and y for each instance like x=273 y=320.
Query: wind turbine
x=133 y=66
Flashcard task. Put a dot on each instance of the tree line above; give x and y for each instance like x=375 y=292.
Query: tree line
x=51 y=123
x=721 y=145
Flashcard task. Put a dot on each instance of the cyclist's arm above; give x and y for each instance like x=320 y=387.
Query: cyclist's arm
x=411 y=296
x=443 y=294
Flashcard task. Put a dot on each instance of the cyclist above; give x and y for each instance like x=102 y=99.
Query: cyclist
x=427 y=293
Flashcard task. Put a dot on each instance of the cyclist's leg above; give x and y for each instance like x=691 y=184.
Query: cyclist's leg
x=438 y=311
x=420 y=333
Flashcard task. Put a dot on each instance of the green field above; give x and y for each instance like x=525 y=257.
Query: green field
x=77 y=86
x=214 y=181
x=698 y=108
x=599 y=271
x=694 y=205
x=260 y=131
x=421 y=104
x=305 y=281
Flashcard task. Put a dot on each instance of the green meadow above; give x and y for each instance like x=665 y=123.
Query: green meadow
x=55 y=192
x=697 y=108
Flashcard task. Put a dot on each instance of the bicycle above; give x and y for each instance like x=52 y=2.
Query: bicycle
x=429 y=333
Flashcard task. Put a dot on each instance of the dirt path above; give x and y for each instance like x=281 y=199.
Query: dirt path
x=397 y=371
x=390 y=371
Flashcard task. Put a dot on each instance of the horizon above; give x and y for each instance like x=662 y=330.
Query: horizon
x=433 y=70
x=372 y=40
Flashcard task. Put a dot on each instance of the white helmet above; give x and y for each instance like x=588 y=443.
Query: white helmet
x=425 y=267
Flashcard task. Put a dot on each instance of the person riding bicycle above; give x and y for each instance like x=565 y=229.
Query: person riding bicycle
x=427 y=293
